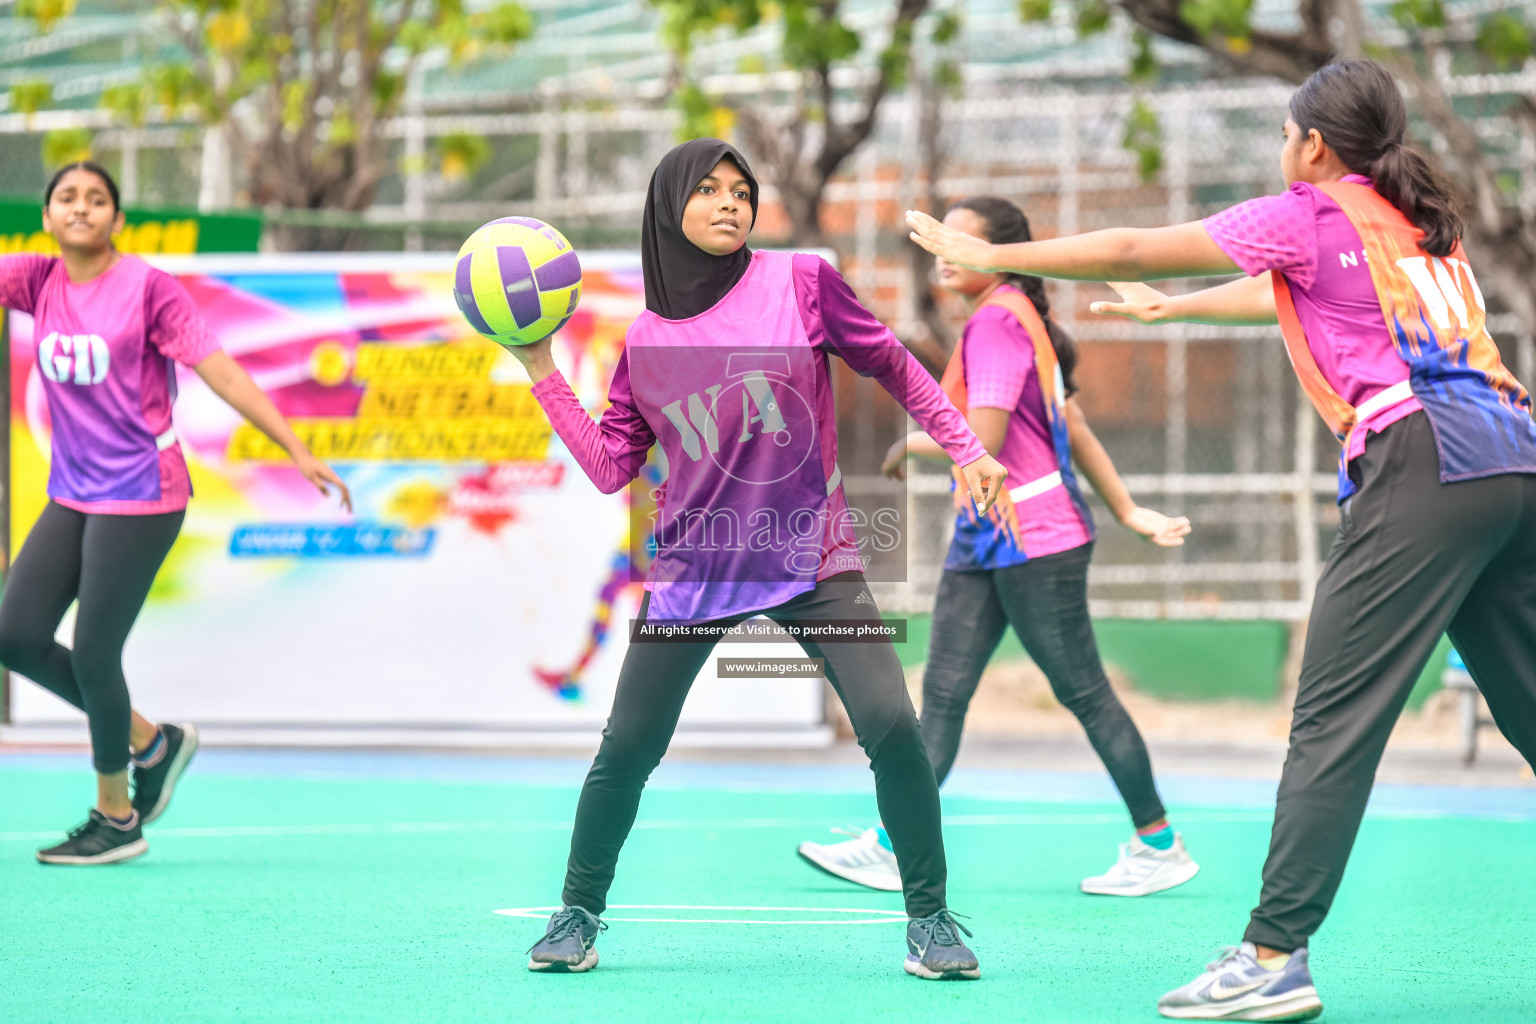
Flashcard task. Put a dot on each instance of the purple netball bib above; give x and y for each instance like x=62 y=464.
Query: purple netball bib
x=732 y=397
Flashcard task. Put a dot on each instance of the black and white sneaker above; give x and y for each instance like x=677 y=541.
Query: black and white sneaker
x=153 y=784
x=935 y=950
x=568 y=943
x=98 y=841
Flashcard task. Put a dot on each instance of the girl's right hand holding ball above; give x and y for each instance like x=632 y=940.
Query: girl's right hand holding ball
x=536 y=358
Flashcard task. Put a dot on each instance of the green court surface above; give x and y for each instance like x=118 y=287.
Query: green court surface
x=331 y=887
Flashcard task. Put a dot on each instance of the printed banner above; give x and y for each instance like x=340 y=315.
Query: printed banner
x=482 y=582
x=148 y=230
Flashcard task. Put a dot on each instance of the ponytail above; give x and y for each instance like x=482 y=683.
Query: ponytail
x=1355 y=106
x=1407 y=181
x=1006 y=224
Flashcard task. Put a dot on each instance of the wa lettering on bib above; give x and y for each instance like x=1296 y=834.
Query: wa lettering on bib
x=732 y=396
x=1436 y=316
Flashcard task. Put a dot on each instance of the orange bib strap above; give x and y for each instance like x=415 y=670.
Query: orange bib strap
x=1337 y=413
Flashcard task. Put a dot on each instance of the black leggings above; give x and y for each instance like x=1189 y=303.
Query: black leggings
x=1046 y=602
x=868 y=677
x=108 y=562
x=1413 y=558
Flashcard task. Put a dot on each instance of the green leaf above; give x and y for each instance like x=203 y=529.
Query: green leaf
x=696 y=107
x=1092 y=17
x=1504 y=39
x=1229 y=18
x=948 y=77
x=44 y=13
x=66 y=146
x=1419 y=13
x=1143 y=61
x=388 y=88
x=812 y=39
x=30 y=97
x=947 y=28
x=502 y=25
x=896 y=58
x=1034 y=10
x=461 y=154
x=1144 y=137
x=129 y=102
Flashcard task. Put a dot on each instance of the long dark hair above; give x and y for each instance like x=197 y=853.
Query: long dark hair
x=83 y=165
x=1005 y=224
x=1356 y=108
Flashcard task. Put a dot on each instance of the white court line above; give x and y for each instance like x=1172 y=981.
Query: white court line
x=704 y=825
x=886 y=915
x=715 y=825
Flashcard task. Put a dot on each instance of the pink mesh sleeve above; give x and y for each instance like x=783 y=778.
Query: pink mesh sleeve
x=1271 y=233
x=999 y=357
x=835 y=320
x=21 y=276
x=173 y=322
x=610 y=452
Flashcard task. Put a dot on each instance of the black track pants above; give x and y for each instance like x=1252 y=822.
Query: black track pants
x=1413 y=558
x=108 y=563
x=868 y=677
x=1045 y=600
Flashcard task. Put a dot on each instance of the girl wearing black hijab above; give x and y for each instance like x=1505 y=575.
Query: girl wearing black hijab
x=727 y=371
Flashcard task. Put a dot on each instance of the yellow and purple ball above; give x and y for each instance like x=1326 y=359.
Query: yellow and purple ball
x=517 y=280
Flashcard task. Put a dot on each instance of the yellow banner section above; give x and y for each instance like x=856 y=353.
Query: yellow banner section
x=376 y=362
x=171 y=237
x=415 y=400
x=378 y=438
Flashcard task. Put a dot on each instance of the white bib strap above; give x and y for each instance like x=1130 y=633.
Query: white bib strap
x=165 y=440
x=834 y=480
x=1035 y=488
x=1383 y=399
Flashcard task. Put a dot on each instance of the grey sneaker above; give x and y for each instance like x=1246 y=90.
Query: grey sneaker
x=1235 y=987
x=568 y=943
x=98 y=841
x=935 y=950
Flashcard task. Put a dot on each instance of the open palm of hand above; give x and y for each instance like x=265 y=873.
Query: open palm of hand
x=1138 y=302
x=945 y=242
x=1164 y=531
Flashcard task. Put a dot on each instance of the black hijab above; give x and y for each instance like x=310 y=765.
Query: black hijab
x=682 y=280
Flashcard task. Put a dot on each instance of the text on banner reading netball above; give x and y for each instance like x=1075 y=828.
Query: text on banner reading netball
x=430 y=402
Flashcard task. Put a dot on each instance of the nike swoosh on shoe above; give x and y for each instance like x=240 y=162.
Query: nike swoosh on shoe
x=1221 y=993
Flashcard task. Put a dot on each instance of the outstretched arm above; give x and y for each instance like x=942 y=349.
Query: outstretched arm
x=1095 y=463
x=837 y=322
x=227 y=379
x=1115 y=254
x=989 y=425
x=1246 y=301
x=612 y=452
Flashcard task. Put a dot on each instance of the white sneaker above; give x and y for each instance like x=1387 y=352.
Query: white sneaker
x=861 y=860
x=1235 y=987
x=1144 y=869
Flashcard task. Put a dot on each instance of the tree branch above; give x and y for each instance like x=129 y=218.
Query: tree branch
x=840 y=143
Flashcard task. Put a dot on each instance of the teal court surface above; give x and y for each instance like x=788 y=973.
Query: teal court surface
x=365 y=887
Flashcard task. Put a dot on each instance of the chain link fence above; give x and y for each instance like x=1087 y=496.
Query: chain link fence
x=1203 y=421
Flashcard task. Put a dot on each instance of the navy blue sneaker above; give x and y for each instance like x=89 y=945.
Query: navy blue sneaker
x=568 y=943
x=1237 y=987
x=98 y=841
x=153 y=784
x=935 y=950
